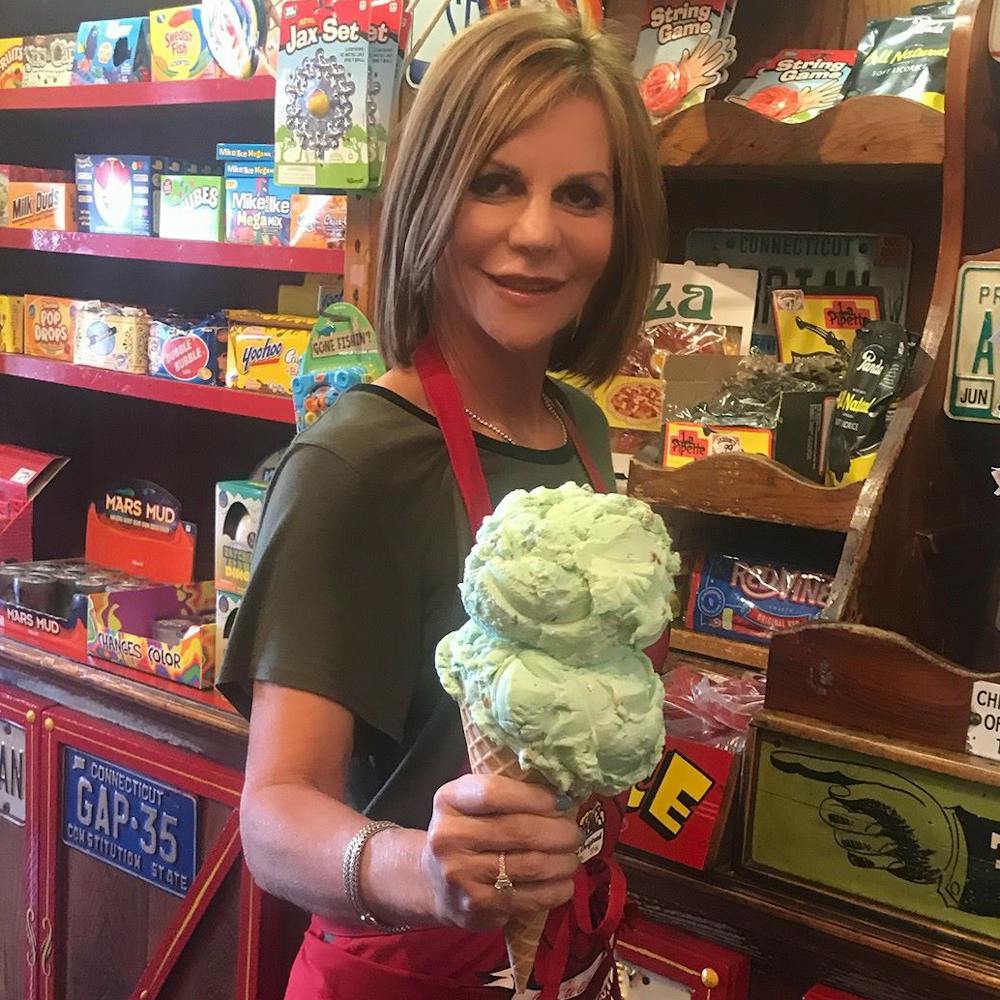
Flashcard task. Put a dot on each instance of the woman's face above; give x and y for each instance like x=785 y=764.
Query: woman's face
x=534 y=231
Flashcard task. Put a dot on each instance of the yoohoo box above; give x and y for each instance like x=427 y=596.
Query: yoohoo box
x=50 y=326
x=191 y=208
x=48 y=60
x=11 y=63
x=41 y=205
x=135 y=529
x=265 y=350
x=178 y=48
x=114 y=51
x=12 y=323
x=113 y=337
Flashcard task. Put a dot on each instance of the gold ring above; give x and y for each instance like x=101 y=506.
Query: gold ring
x=503 y=882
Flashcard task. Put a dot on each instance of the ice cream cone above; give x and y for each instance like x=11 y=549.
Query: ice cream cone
x=522 y=933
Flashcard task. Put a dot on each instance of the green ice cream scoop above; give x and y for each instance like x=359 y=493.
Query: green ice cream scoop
x=585 y=728
x=571 y=572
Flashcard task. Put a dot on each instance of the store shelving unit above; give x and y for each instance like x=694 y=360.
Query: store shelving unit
x=152 y=248
x=212 y=398
x=914 y=546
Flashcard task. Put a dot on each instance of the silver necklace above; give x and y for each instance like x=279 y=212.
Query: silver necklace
x=503 y=435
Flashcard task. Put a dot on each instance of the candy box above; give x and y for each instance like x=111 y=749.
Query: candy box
x=15 y=172
x=249 y=169
x=265 y=350
x=321 y=133
x=114 y=51
x=237 y=32
x=253 y=152
x=258 y=211
x=11 y=63
x=191 y=208
x=48 y=60
x=821 y=321
x=41 y=205
x=187 y=350
x=12 y=323
x=795 y=85
x=751 y=599
x=239 y=505
x=113 y=337
x=318 y=220
x=50 y=326
x=115 y=194
x=178 y=47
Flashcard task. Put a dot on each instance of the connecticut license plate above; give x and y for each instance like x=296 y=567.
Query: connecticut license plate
x=129 y=821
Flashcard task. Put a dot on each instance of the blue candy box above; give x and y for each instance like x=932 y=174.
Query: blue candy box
x=114 y=51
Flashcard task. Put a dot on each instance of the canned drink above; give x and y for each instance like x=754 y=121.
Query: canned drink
x=37 y=591
x=9 y=572
x=170 y=631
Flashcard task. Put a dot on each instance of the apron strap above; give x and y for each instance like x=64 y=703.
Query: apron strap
x=573 y=433
x=442 y=394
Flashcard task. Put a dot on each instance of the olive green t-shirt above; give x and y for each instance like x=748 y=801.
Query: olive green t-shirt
x=355 y=580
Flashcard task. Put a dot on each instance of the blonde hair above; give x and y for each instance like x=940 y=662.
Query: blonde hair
x=486 y=86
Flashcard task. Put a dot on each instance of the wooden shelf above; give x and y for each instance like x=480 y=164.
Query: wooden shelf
x=258 y=258
x=713 y=647
x=259 y=405
x=861 y=132
x=130 y=95
x=747 y=486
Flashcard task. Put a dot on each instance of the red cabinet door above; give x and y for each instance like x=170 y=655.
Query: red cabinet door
x=829 y=993
x=20 y=801
x=143 y=890
x=661 y=963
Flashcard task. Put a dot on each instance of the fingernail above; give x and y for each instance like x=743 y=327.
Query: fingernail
x=563 y=802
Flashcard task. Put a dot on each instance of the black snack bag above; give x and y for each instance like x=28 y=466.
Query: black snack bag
x=879 y=362
x=905 y=57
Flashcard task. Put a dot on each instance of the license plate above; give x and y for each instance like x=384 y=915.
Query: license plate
x=974 y=375
x=808 y=260
x=12 y=770
x=129 y=821
x=984 y=728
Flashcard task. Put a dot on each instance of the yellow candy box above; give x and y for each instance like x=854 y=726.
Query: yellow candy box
x=12 y=323
x=178 y=45
x=265 y=350
x=11 y=63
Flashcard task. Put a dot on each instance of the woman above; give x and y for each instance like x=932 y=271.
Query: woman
x=519 y=230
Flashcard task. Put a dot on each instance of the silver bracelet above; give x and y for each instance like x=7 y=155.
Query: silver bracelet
x=352 y=876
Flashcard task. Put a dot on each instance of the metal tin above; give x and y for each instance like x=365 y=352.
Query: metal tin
x=37 y=591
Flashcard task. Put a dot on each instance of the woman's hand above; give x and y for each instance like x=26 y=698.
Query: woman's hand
x=475 y=818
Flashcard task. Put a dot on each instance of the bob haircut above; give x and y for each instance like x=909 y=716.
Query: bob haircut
x=487 y=85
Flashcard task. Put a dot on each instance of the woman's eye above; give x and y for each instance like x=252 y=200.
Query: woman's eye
x=491 y=186
x=582 y=197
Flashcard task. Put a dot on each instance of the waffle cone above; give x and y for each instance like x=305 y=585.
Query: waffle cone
x=521 y=933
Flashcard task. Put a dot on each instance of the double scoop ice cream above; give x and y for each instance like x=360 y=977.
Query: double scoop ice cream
x=564 y=588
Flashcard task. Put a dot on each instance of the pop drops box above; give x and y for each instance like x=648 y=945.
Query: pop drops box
x=135 y=529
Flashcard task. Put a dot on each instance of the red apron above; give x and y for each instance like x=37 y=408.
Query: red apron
x=575 y=958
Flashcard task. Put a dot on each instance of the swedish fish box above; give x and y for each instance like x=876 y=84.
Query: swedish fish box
x=11 y=63
x=50 y=326
x=178 y=45
x=265 y=350
x=41 y=205
x=12 y=323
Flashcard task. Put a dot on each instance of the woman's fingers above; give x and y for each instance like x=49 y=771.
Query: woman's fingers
x=487 y=795
x=507 y=833
x=524 y=867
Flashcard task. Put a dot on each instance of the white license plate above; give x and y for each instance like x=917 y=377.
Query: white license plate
x=13 y=761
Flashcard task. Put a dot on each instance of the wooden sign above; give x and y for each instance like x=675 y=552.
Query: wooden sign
x=923 y=843
x=680 y=813
x=974 y=376
x=984 y=724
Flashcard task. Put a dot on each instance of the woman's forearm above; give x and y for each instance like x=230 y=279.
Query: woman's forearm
x=294 y=838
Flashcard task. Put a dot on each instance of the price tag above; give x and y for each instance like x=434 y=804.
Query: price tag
x=12 y=771
x=129 y=821
x=984 y=728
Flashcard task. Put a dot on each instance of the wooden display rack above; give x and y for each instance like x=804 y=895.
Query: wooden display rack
x=914 y=546
x=871 y=164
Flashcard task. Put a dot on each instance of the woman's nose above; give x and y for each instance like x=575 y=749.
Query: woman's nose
x=535 y=227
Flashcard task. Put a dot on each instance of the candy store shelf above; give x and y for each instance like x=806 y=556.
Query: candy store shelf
x=131 y=95
x=260 y=258
x=715 y=648
x=747 y=486
x=200 y=397
x=875 y=131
